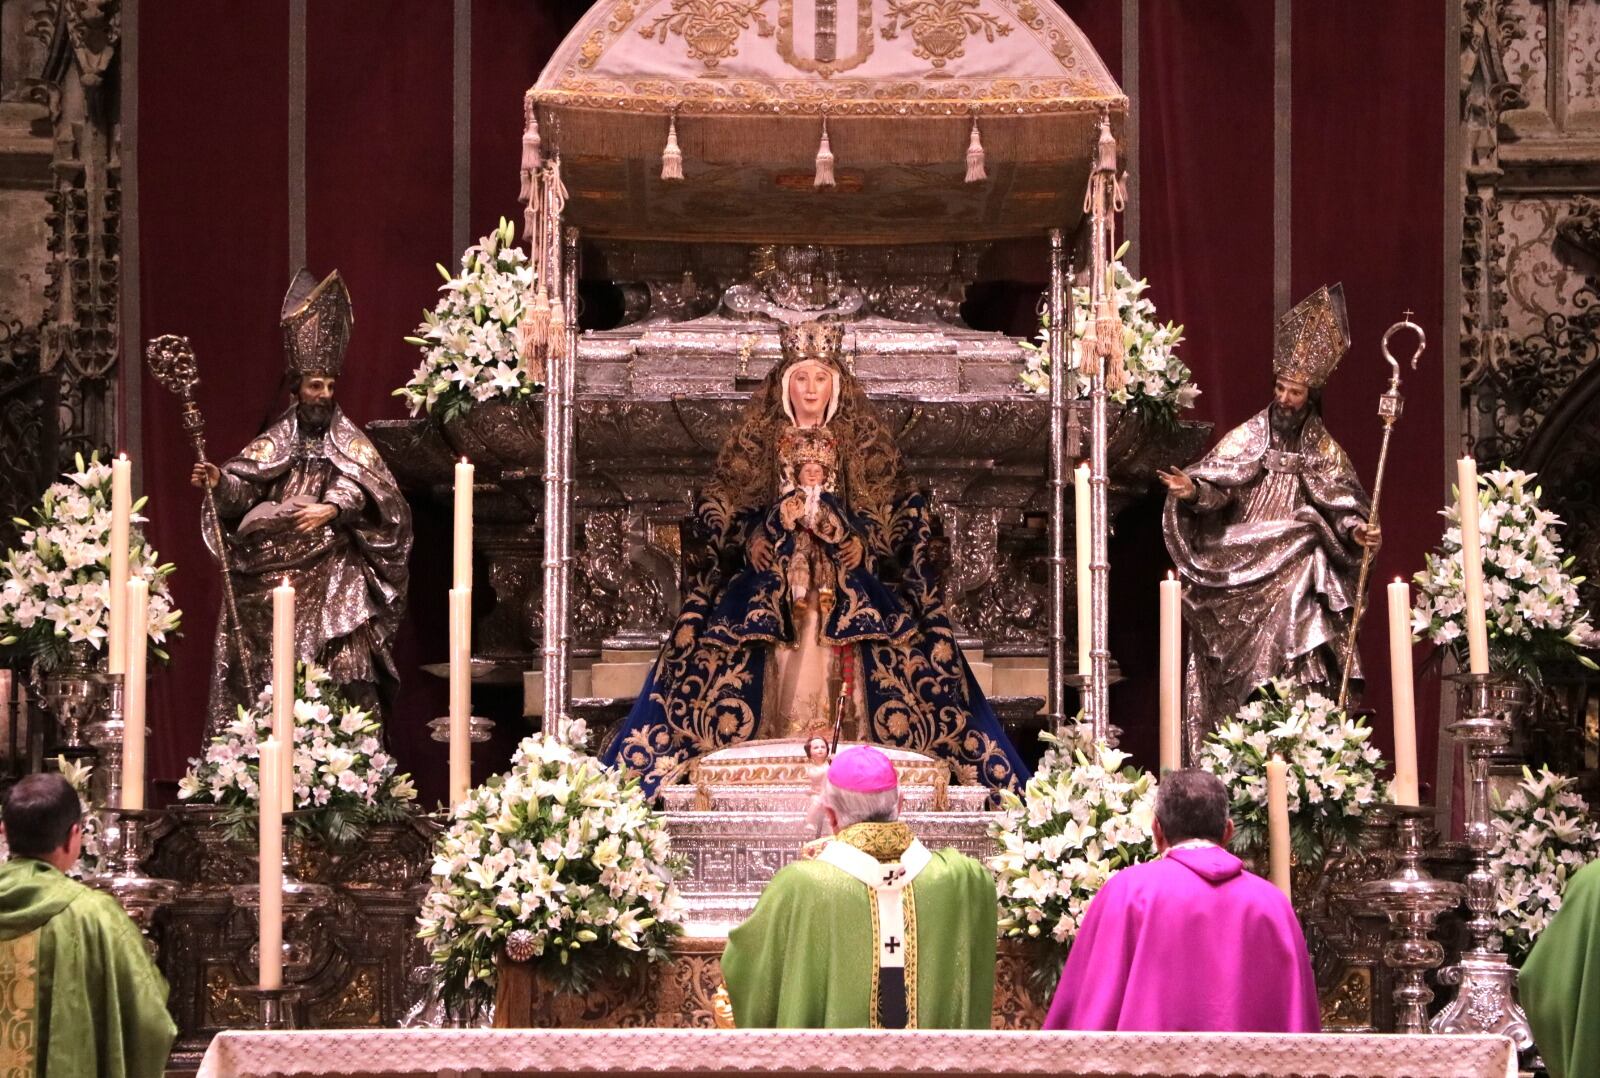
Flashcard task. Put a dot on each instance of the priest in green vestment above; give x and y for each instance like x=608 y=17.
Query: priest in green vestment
x=79 y=994
x=876 y=931
x=1559 y=986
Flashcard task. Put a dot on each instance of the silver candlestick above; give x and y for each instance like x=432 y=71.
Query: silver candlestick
x=122 y=874
x=300 y=900
x=104 y=736
x=1413 y=900
x=1483 y=978
x=279 y=1007
x=1084 y=684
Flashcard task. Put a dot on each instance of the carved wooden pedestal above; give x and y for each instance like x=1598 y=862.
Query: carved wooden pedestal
x=361 y=951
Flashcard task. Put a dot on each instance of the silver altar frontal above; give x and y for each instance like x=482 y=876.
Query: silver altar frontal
x=742 y=817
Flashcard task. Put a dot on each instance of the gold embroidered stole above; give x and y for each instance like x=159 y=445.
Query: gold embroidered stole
x=19 y=1006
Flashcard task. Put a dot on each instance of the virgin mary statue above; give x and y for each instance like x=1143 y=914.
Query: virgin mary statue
x=820 y=611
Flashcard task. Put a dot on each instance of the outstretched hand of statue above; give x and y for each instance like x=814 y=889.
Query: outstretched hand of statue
x=1178 y=483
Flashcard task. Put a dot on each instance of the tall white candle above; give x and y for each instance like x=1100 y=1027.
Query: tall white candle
x=117 y=598
x=1472 y=564
x=133 y=693
x=1081 y=515
x=1278 y=823
x=1403 y=695
x=463 y=525
x=460 y=693
x=1171 y=690
x=283 y=688
x=270 y=878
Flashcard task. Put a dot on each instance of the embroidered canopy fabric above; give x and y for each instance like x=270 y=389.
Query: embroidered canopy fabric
x=899 y=83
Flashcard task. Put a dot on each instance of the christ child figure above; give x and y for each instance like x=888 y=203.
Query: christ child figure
x=807 y=525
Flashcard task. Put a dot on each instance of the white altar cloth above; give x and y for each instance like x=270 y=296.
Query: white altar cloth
x=704 y=1053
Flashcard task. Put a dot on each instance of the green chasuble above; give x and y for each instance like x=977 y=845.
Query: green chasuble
x=1559 y=985
x=806 y=957
x=79 y=994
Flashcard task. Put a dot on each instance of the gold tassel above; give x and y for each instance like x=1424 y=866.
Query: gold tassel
x=1109 y=342
x=1087 y=356
x=536 y=326
x=824 y=159
x=672 y=156
x=976 y=172
x=557 y=348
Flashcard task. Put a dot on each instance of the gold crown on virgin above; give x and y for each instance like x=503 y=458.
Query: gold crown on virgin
x=316 y=323
x=819 y=341
x=1312 y=339
x=808 y=445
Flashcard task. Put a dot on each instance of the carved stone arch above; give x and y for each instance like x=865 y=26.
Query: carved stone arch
x=1564 y=452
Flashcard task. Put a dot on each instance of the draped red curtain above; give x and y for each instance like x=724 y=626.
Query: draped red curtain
x=1367 y=124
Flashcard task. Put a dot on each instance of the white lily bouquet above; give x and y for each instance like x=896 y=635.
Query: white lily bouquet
x=55 y=586
x=79 y=777
x=1331 y=763
x=1159 y=385
x=1543 y=833
x=470 y=341
x=1085 y=814
x=340 y=768
x=560 y=862
x=1531 y=606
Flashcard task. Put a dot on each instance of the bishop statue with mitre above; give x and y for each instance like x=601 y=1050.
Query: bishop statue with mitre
x=310 y=502
x=1267 y=531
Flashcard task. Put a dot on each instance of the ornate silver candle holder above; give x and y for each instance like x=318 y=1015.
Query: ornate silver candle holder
x=280 y=1008
x=104 y=737
x=300 y=901
x=478 y=729
x=1083 y=684
x=122 y=874
x=1483 y=978
x=1413 y=900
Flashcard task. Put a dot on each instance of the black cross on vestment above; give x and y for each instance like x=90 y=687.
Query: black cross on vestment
x=890 y=875
x=892 y=944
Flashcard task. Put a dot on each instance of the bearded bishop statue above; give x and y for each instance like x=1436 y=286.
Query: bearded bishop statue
x=310 y=502
x=1267 y=532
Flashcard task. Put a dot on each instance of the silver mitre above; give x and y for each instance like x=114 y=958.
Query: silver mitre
x=316 y=323
x=1312 y=339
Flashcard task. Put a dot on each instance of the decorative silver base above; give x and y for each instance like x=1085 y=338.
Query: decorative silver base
x=124 y=877
x=1413 y=900
x=1484 y=1002
x=478 y=729
x=279 y=1007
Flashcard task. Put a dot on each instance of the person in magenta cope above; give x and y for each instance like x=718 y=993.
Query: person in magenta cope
x=1189 y=942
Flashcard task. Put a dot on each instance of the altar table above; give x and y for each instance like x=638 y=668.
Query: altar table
x=668 y=1053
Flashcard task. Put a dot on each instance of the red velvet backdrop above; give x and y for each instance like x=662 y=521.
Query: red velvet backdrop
x=1367 y=142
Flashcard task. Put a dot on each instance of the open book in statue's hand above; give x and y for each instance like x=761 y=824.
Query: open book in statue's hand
x=274 y=516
